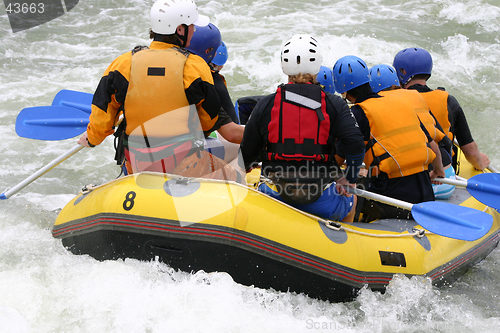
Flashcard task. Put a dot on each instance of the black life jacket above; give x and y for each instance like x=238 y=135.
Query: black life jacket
x=245 y=105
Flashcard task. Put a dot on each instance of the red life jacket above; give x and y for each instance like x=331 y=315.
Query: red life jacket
x=300 y=126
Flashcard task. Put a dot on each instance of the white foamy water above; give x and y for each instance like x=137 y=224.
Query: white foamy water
x=44 y=288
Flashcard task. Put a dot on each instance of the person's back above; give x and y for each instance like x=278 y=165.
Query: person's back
x=395 y=131
x=414 y=68
x=161 y=132
x=297 y=127
x=384 y=81
x=396 y=147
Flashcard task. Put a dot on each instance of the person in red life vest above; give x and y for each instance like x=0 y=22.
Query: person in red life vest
x=414 y=68
x=167 y=98
x=384 y=80
x=294 y=130
x=397 y=153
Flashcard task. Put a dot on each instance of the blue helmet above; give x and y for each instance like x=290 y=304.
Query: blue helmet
x=410 y=62
x=205 y=42
x=350 y=72
x=383 y=77
x=221 y=55
x=325 y=78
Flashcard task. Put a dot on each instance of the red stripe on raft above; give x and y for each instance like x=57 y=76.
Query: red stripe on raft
x=214 y=233
x=462 y=260
x=262 y=246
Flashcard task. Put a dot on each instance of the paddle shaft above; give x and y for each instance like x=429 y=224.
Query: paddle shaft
x=381 y=198
x=449 y=181
x=492 y=169
x=440 y=218
x=39 y=173
x=456 y=182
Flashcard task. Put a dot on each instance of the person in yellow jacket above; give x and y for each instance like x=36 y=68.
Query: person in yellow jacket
x=384 y=80
x=397 y=154
x=414 y=67
x=167 y=98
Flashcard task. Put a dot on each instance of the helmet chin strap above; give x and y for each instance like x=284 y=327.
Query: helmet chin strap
x=183 y=38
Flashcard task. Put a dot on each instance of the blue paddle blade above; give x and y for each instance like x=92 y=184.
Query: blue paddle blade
x=485 y=187
x=451 y=220
x=51 y=122
x=75 y=99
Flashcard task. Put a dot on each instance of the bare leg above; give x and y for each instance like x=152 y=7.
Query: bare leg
x=350 y=216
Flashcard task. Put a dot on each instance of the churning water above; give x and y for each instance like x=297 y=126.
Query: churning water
x=44 y=288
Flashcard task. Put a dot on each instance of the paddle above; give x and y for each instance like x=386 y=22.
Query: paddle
x=492 y=168
x=441 y=218
x=485 y=187
x=39 y=173
x=51 y=122
x=75 y=99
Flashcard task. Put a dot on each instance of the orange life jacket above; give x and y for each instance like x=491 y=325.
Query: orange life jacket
x=437 y=100
x=152 y=114
x=397 y=145
x=422 y=110
x=161 y=128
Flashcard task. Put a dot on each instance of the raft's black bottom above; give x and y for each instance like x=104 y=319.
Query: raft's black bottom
x=245 y=267
x=249 y=259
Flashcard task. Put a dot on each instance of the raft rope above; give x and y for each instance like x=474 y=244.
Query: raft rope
x=337 y=226
x=334 y=225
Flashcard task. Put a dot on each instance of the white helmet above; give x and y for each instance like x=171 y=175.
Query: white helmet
x=301 y=54
x=167 y=15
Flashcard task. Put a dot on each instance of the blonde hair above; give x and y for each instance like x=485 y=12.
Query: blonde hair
x=302 y=78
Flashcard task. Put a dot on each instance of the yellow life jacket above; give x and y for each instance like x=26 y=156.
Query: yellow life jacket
x=421 y=108
x=397 y=146
x=437 y=100
x=156 y=103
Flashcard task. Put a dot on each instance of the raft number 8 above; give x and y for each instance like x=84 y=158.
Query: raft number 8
x=128 y=204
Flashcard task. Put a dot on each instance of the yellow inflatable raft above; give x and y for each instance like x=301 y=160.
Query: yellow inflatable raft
x=196 y=224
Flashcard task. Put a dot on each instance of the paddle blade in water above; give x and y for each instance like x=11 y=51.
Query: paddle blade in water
x=75 y=99
x=485 y=187
x=451 y=220
x=51 y=122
